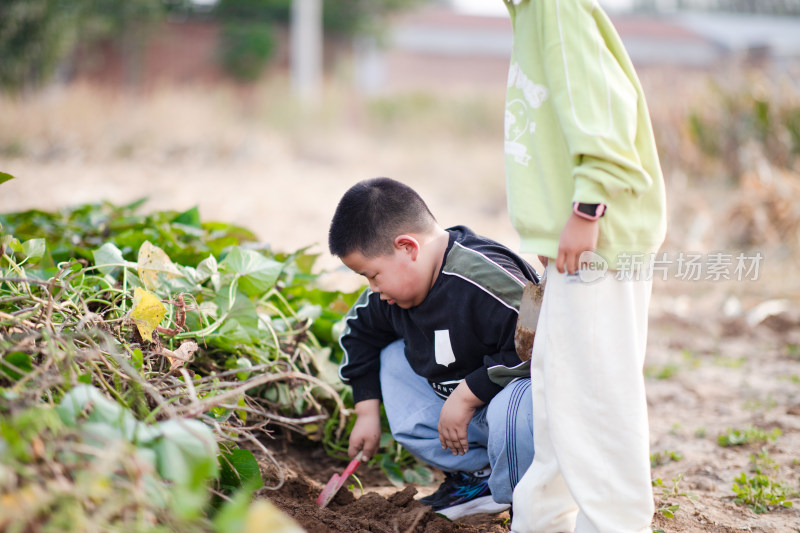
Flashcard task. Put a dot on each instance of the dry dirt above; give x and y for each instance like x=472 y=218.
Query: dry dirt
x=717 y=358
x=706 y=375
x=381 y=507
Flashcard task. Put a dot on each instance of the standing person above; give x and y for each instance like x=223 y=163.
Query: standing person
x=432 y=337
x=584 y=186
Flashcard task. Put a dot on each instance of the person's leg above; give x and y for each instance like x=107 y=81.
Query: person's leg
x=542 y=502
x=412 y=409
x=612 y=482
x=590 y=360
x=510 y=419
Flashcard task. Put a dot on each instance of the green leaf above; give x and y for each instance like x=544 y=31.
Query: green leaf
x=419 y=474
x=392 y=471
x=206 y=269
x=240 y=326
x=20 y=360
x=239 y=468
x=11 y=242
x=256 y=273
x=309 y=312
x=108 y=258
x=305 y=261
x=328 y=370
x=189 y=501
x=241 y=413
x=101 y=421
x=242 y=363
x=190 y=217
x=19 y=429
x=186 y=453
x=137 y=359
x=5 y=177
x=232 y=517
x=34 y=249
x=86 y=404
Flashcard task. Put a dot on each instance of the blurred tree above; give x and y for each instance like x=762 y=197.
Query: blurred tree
x=247 y=39
x=340 y=17
x=254 y=10
x=245 y=49
x=37 y=35
x=247 y=42
x=352 y=17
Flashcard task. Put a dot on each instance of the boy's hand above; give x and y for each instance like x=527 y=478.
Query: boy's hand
x=456 y=414
x=579 y=235
x=366 y=434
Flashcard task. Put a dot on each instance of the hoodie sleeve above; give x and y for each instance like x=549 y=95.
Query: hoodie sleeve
x=367 y=331
x=595 y=95
x=499 y=324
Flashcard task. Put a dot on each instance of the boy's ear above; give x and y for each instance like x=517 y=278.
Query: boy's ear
x=408 y=244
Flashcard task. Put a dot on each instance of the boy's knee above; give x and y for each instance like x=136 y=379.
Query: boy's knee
x=513 y=403
x=510 y=417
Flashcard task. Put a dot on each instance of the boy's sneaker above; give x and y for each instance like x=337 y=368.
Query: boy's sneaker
x=462 y=494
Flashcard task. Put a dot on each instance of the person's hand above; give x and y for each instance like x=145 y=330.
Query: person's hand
x=366 y=434
x=454 y=419
x=579 y=235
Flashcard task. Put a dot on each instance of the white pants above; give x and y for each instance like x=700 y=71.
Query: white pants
x=591 y=470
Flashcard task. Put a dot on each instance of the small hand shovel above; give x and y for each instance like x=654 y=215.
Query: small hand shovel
x=529 y=309
x=336 y=481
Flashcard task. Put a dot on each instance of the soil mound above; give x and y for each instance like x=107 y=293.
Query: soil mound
x=399 y=512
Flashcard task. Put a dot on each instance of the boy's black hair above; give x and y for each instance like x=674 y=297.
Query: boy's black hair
x=372 y=213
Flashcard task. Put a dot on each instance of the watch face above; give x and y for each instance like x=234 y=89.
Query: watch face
x=589 y=211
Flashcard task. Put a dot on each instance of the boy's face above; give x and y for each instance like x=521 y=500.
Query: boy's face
x=398 y=277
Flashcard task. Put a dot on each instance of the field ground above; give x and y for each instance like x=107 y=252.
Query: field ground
x=723 y=355
x=707 y=374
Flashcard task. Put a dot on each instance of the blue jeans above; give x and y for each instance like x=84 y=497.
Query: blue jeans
x=500 y=434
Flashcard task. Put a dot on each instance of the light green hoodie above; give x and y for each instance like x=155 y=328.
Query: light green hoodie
x=577 y=128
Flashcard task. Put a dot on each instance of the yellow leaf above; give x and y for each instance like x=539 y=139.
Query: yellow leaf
x=262 y=515
x=152 y=262
x=147 y=312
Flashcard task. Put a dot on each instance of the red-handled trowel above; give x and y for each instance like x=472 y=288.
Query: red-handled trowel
x=336 y=482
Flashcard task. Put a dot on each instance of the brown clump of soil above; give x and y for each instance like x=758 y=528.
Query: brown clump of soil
x=382 y=508
x=371 y=512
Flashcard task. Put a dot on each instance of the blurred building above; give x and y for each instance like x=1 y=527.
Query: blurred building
x=437 y=45
x=440 y=46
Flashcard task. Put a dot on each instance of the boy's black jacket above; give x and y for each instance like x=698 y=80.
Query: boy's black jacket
x=471 y=308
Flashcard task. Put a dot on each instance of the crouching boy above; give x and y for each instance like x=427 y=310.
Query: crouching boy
x=432 y=337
